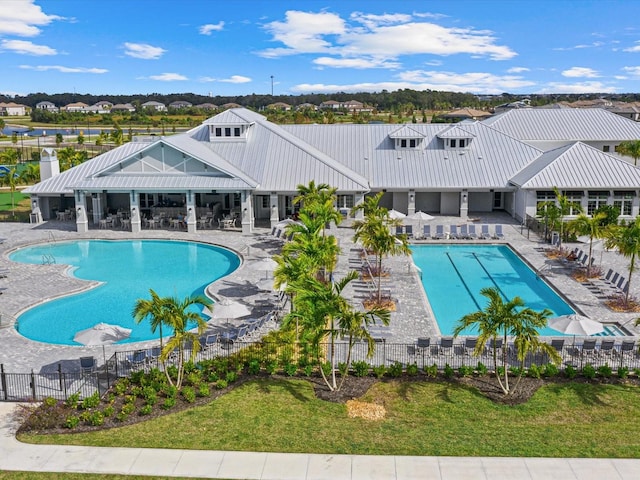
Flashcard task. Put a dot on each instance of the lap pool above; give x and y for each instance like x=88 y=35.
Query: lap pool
x=453 y=275
x=127 y=270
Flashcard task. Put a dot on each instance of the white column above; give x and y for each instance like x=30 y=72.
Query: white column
x=464 y=204
x=82 y=222
x=246 y=210
x=358 y=199
x=96 y=205
x=134 y=206
x=274 y=216
x=192 y=217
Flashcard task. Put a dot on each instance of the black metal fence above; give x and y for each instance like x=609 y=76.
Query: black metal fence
x=424 y=354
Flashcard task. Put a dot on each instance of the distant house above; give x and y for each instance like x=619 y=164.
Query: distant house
x=307 y=106
x=330 y=105
x=47 y=106
x=207 y=106
x=13 y=109
x=466 y=114
x=75 y=107
x=285 y=107
x=157 y=106
x=180 y=104
x=123 y=107
x=227 y=106
x=526 y=103
x=352 y=106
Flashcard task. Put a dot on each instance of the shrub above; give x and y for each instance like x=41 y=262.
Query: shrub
x=108 y=411
x=50 y=402
x=212 y=377
x=146 y=409
x=412 y=369
x=96 y=419
x=551 y=370
x=172 y=371
x=326 y=368
x=272 y=367
x=395 y=370
x=379 y=371
x=570 y=371
x=137 y=378
x=121 y=386
x=636 y=372
x=534 y=371
x=605 y=371
x=360 y=368
x=220 y=384
x=194 y=378
x=150 y=395
x=91 y=401
x=517 y=371
x=72 y=421
x=128 y=408
x=203 y=390
x=343 y=368
x=169 y=403
x=308 y=370
x=254 y=367
x=431 y=371
x=465 y=370
x=136 y=391
x=481 y=368
x=231 y=377
x=170 y=391
x=623 y=372
x=448 y=371
x=121 y=417
x=588 y=371
x=189 y=394
x=290 y=369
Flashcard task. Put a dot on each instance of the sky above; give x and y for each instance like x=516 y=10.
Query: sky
x=241 y=47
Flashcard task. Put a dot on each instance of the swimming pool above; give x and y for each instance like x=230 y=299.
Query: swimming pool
x=128 y=269
x=453 y=275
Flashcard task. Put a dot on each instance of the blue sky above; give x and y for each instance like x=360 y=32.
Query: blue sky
x=234 y=47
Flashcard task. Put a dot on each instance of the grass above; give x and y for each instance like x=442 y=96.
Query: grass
x=74 y=476
x=423 y=418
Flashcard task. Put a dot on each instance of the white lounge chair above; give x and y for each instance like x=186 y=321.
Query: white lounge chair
x=426 y=231
x=484 y=232
x=453 y=231
x=439 y=235
x=472 y=232
x=498 y=232
x=464 y=233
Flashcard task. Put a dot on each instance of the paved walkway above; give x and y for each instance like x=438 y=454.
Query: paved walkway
x=282 y=466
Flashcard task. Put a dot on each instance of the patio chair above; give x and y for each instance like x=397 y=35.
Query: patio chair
x=439 y=235
x=470 y=345
x=472 y=232
x=498 y=346
x=209 y=342
x=607 y=277
x=446 y=346
x=423 y=345
x=426 y=231
x=558 y=345
x=588 y=348
x=606 y=348
x=408 y=230
x=453 y=232
x=484 y=232
x=137 y=359
x=87 y=364
x=627 y=349
x=614 y=280
x=153 y=354
x=498 y=232
x=464 y=231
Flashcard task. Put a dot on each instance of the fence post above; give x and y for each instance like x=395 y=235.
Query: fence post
x=3 y=378
x=60 y=376
x=33 y=385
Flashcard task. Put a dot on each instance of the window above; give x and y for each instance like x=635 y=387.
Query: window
x=412 y=143
x=236 y=132
x=623 y=201
x=596 y=200
x=403 y=143
x=236 y=199
x=345 y=201
x=227 y=132
x=218 y=132
x=544 y=197
x=462 y=143
x=265 y=201
x=606 y=148
x=575 y=201
x=452 y=143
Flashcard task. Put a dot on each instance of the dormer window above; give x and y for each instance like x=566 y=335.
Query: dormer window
x=455 y=138
x=228 y=132
x=406 y=137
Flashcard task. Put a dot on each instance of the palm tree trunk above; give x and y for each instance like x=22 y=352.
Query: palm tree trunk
x=631 y=269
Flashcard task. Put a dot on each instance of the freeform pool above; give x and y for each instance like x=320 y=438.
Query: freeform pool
x=128 y=269
x=453 y=275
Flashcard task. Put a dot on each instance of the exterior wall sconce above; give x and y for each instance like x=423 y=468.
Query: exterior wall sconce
x=411 y=197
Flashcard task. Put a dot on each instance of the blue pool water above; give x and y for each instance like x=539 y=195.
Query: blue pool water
x=128 y=269
x=453 y=275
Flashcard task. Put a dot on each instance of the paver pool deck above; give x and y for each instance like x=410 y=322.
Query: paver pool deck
x=27 y=285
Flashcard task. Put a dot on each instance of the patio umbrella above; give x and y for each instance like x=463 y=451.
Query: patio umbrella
x=395 y=214
x=102 y=334
x=421 y=217
x=266 y=264
x=575 y=324
x=227 y=308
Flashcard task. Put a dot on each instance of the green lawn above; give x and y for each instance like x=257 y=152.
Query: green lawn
x=5 y=199
x=73 y=476
x=423 y=418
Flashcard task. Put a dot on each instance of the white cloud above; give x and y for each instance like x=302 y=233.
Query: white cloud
x=518 y=70
x=635 y=48
x=635 y=71
x=235 y=79
x=357 y=63
x=23 y=18
x=579 y=46
x=60 y=68
x=580 y=72
x=26 y=48
x=385 y=37
x=485 y=83
x=168 y=77
x=143 y=50
x=210 y=27
x=583 y=87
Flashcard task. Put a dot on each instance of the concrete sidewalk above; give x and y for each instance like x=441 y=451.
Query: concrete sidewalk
x=282 y=466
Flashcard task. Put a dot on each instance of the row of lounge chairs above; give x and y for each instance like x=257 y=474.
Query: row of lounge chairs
x=464 y=232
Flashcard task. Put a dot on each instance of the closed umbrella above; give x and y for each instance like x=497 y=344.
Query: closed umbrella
x=102 y=334
x=575 y=324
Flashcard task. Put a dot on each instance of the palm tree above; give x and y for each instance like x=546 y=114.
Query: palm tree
x=319 y=202
x=180 y=316
x=591 y=226
x=507 y=319
x=630 y=148
x=31 y=173
x=566 y=206
x=11 y=179
x=626 y=238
